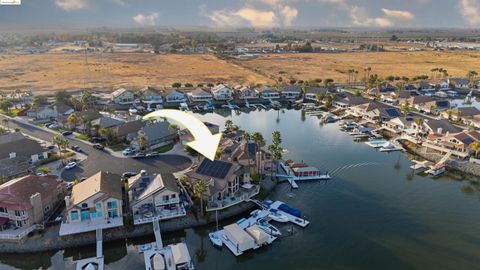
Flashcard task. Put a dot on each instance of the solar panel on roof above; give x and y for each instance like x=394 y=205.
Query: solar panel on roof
x=217 y=168
x=393 y=112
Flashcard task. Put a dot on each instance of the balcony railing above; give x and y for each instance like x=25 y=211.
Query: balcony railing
x=13 y=216
x=222 y=204
x=6 y=235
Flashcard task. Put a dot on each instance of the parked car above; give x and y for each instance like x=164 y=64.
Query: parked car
x=67 y=133
x=54 y=126
x=153 y=154
x=98 y=146
x=70 y=165
x=76 y=148
x=97 y=139
x=50 y=147
x=128 y=151
x=128 y=174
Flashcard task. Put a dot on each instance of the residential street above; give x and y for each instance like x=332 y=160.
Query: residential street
x=100 y=160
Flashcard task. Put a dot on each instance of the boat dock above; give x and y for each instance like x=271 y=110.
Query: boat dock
x=94 y=262
x=293 y=172
x=291 y=218
x=420 y=166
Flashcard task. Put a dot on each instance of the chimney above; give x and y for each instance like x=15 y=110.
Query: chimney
x=67 y=201
x=13 y=155
x=439 y=130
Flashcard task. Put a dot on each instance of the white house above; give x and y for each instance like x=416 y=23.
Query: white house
x=221 y=92
x=312 y=92
x=176 y=96
x=199 y=95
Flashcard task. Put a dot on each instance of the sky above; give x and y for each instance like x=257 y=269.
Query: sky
x=244 y=13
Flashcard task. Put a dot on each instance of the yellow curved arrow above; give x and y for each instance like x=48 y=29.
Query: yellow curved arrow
x=205 y=142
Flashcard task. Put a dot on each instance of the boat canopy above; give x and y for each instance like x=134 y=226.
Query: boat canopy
x=258 y=234
x=292 y=211
x=180 y=254
x=158 y=262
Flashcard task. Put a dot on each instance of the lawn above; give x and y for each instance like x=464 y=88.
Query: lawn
x=118 y=147
x=165 y=148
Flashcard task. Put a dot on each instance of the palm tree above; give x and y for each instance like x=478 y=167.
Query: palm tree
x=142 y=141
x=246 y=136
x=72 y=121
x=258 y=139
x=199 y=189
x=449 y=113
x=475 y=146
x=471 y=77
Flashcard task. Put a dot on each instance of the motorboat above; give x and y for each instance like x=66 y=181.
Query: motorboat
x=215 y=239
x=268 y=228
x=277 y=216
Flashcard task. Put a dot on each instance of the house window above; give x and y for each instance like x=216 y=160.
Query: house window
x=74 y=215
x=3 y=210
x=19 y=224
x=112 y=214
x=173 y=196
x=112 y=204
x=165 y=197
x=93 y=215
x=98 y=206
x=84 y=205
x=18 y=213
x=99 y=214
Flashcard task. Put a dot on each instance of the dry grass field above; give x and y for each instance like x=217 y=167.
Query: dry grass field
x=336 y=66
x=55 y=71
x=50 y=72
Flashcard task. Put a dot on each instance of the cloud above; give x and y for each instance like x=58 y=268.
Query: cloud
x=257 y=18
x=401 y=15
x=470 y=9
x=146 y=19
x=122 y=3
x=289 y=14
x=70 y=5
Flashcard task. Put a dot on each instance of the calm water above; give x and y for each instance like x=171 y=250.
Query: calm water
x=374 y=214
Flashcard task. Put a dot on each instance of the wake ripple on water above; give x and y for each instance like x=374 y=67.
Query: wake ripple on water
x=341 y=169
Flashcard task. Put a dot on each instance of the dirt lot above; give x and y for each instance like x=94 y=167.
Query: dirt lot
x=335 y=66
x=49 y=72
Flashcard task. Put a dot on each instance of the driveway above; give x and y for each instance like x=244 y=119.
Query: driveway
x=103 y=161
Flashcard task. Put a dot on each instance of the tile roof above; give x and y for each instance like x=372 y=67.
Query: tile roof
x=17 y=143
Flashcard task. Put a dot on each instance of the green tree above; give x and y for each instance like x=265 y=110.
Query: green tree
x=475 y=146
x=72 y=121
x=5 y=105
x=229 y=125
x=176 y=85
x=108 y=135
x=199 y=189
x=6 y=122
x=142 y=141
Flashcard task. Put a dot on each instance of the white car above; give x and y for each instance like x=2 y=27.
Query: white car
x=54 y=126
x=128 y=152
x=70 y=165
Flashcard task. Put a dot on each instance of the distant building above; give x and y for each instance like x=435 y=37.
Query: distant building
x=199 y=95
x=122 y=96
x=18 y=154
x=312 y=92
x=461 y=83
x=150 y=95
x=245 y=92
x=176 y=96
x=291 y=91
x=157 y=134
x=222 y=92
x=267 y=92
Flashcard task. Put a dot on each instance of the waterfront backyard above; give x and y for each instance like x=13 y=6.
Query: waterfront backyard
x=373 y=214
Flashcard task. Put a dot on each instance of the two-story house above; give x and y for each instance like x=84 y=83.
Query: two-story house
x=94 y=203
x=26 y=202
x=154 y=197
x=222 y=92
x=199 y=95
x=267 y=92
x=291 y=91
x=176 y=96
x=156 y=134
x=245 y=92
x=123 y=96
x=311 y=93
x=150 y=95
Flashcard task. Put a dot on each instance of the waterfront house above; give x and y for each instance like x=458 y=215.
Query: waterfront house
x=250 y=156
x=224 y=181
x=425 y=86
x=402 y=124
x=410 y=88
x=365 y=110
x=157 y=134
x=312 y=92
x=267 y=92
x=345 y=100
x=245 y=92
x=458 y=142
x=176 y=96
x=94 y=203
x=383 y=114
x=26 y=202
x=291 y=91
x=150 y=95
x=465 y=114
x=222 y=92
x=154 y=197
x=440 y=127
x=199 y=95
x=441 y=85
x=459 y=83
x=18 y=154
x=122 y=96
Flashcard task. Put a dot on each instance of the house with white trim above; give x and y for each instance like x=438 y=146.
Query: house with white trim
x=221 y=92
x=267 y=92
x=245 y=92
x=176 y=96
x=199 y=95
x=122 y=96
